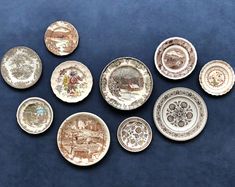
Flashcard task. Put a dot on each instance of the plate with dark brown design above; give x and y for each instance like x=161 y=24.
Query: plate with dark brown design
x=61 y=38
x=71 y=81
x=180 y=114
x=134 y=134
x=21 y=67
x=83 y=139
x=217 y=77
x=175 y=58
x=126 y=83
x=34 y=115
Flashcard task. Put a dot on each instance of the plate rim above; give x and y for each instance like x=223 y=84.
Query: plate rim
x=171 y=38
x=197 y=132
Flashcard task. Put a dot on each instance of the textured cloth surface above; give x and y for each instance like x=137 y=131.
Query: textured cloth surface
x=110 y=29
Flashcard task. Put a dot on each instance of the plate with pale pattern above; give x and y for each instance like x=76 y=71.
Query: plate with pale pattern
x=21 y=67
x=61 y=38
x=134 y=134
x=34 y=115
x=217 y=77
x=175 y=58
x=71 y=81
x=180 y=114
x=126 y=83
x=83 y=139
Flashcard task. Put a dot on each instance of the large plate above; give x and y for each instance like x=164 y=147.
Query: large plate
x=34 y=115
x=21 y=67
x=180 y=114
x=134 y=134
x=217 y=77
x=83 y=139
x=175 y=58
x=126 y=83
x=71 y=81
x=61 y=38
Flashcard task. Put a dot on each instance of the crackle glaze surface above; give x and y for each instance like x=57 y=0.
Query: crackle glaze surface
x=21 y=67
x=126 y=83
x=180 y=114
x=34 y=115
x=175 y=58
x=217 y=77
x=61 y=38
x=134 y=134
x=83 y=139
x=71 y=81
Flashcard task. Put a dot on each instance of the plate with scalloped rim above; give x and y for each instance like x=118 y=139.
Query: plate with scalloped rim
x=180 y=114
x=217 y=77
x=175 y=58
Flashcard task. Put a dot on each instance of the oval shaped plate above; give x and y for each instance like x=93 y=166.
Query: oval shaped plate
x=180 y=114
x=34 y=115
x=134 y=134
x=217 y=77
x=126 y=83
x=83 y=139
x=21 y=67
x=71 y=81
x=61 y=38
x=175 y=58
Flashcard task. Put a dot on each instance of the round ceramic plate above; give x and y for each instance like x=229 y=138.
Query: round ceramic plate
x=217 y=77
x=34 y=115
x=61 y=38
x=21 y=67
x=83 y=139
x=180 y=114
x=175 y=58
x=134 y=134
x=126 y=83
x=71 y=81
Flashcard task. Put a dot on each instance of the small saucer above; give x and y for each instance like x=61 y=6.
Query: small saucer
x=34 y=115
x=217 y=77
x=175 y=58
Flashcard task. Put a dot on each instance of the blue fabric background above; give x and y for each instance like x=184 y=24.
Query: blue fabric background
x=110 y=29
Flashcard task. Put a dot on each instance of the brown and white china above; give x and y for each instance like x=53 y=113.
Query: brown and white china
x=71 y=81
x=217 y=77
x=180 y=114
x=134 y=134
x=83 y=139
x=61 y=38
x=21 y=67
x=175 y=58
x=126 y=83
x=34 y=115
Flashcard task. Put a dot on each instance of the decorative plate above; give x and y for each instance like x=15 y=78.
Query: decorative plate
x=126 y=83
x=175 y=58
x=217 y=77
x=134 y=134
x=34 y=115
x=83 y=139
x=71 y=81
x=21 y=67
x=180 y=114
x=61 y=38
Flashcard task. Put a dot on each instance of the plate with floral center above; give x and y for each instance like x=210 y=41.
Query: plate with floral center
x=134 y=134
x=83 y=139
x=71 y=81
x=34 y=115
x=126 y=83
x=180 y=114
x=175 y=58
x=61 y=38
x=217 y=77
x=21 y=67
